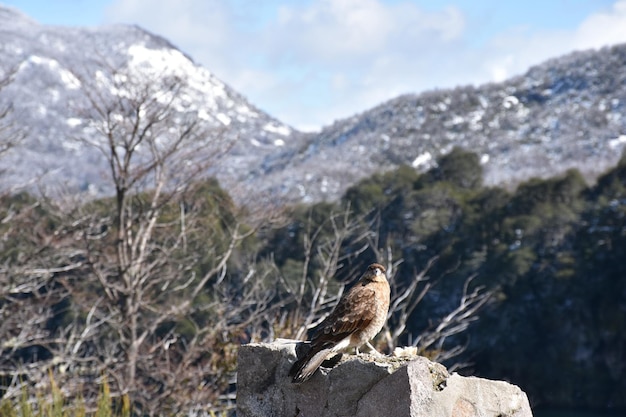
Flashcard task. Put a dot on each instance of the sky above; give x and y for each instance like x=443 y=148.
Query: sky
x=311 y=62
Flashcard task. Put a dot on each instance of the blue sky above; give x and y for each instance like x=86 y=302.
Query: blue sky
x=311 y=62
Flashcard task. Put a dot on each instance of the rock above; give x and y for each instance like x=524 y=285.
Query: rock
x=367 y=385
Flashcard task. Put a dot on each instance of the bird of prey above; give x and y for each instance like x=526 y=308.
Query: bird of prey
x=358 y=317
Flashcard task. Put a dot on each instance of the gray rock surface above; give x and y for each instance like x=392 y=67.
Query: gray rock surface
x=367 y=385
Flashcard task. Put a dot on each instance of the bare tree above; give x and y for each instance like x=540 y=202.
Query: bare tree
x=406 y=295
x=405 y=300
x=323 y=245
x=11 y=134
x=154 y=293
x=150 y=280
x=432 y=341
x=27 y=294
x=30 y=292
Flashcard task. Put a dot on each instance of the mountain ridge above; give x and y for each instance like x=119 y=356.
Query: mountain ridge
x=560 y=114
x=44 y=96
x=564 y=113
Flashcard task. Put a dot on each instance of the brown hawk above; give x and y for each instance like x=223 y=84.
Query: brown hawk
x=357 y=318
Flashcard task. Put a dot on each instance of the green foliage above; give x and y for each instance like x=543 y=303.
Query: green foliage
x=552 y=250
x=460 y=168
x=612 y=184
x=377 y=191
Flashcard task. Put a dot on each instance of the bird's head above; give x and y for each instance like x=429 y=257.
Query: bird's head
x=375 y=272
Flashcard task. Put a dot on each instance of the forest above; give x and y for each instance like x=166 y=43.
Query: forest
x=153 y=292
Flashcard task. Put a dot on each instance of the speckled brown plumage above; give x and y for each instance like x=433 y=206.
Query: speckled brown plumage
x=357 y=318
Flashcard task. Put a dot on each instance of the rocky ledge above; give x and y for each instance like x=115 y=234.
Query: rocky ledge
x=403 y=384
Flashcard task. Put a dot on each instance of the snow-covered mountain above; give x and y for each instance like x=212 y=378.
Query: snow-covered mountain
x=52 y=66
x=567 y=112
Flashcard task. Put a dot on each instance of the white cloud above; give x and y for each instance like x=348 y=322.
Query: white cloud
x=340 y=31
x=359 y=51
x=603 y=29
x=514 y=52
x=308 y=63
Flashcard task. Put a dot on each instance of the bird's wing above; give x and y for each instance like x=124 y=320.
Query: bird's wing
x=354 y=312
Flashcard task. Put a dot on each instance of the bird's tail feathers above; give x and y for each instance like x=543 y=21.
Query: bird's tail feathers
x=305 y=367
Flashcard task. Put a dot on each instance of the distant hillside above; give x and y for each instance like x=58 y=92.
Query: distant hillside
x=564 y=113
x=567 y=112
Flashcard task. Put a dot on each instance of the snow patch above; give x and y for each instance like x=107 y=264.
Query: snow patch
x=275 y=128
x=614 y=143
x=510 y=101
x=457 y=120
x=223 y=118
x=67 y=78
x=484 y=159
x=245 y=110
x=165 y=61
x=204 y=115
x=475 y=118
x=157 y=61
x=324 y=186
x=421 y=159
x=73 y=122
